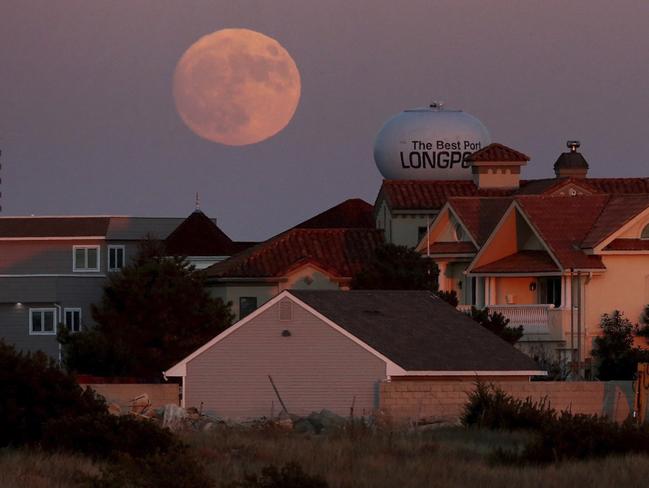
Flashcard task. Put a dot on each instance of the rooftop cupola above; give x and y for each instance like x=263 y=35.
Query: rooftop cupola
x=497 y=166
x=571 y=164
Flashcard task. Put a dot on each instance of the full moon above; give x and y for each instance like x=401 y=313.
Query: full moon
x=236 y=87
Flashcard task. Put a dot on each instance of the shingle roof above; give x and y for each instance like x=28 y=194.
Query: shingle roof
x=350 y=214
x=25 y=227
x=480 y=215
x=628 y=245
x=497 y=152
x=563 y=223
x=198 y=235
x=521 y=262
x=417 y=331
x=343 y=252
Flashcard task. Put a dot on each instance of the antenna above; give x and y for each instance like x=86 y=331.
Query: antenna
x=198 y=203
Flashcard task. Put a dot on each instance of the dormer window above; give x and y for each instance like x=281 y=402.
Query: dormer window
x=645 y=232
x=85 y=258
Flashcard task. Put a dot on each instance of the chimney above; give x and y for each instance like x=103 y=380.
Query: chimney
x=497 y=167
x=571 y=164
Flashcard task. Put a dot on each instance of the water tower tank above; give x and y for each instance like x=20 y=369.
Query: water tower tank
x=429 y=143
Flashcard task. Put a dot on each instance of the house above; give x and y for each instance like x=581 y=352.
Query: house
x=553 y=257
x=323 y=252
x=53 y=268
x=201 y=241
x=332 y=349
x=405 y=208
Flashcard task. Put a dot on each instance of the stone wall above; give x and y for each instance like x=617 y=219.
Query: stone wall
x=444 y=400
x=123 y=393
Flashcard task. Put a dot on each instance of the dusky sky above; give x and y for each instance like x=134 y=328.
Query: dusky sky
x=88 y=123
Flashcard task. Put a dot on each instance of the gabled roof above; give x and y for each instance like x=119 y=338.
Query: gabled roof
x=618 y=211
x=480 y=215
x=563 y=223
x=496 y=152
x=417 y=331
x=342 y=252
x=521 y=262
x=199 y=235
x=350 y=214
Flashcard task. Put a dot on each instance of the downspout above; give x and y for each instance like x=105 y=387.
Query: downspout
x=572 y=322
x=579 y=324
x=58 y=322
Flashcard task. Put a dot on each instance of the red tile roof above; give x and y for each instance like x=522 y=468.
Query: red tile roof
x=350 y=214
x=628 y=245
x=432 y=195
x=342 y=252
x=521 y=262
x=53 y=227
x=480 y=215
x=618 y=211
x=198 y=235
x=451 y=248
x=563 y=223
x=498 y=152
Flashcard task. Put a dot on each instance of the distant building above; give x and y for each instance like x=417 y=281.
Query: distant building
x=53 y=268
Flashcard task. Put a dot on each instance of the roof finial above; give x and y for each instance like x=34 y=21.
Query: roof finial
x=198 y=203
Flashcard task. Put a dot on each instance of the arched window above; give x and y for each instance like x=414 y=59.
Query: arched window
x=645 y=232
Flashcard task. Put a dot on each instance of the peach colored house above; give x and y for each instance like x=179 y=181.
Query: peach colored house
x=552 y=262
x=332 y=349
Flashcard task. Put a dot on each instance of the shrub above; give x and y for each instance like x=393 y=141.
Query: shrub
x=497 y=323
x=490 y=407
x=449 y=297
x=35 y=391
x=106 y=436
x=290 y=475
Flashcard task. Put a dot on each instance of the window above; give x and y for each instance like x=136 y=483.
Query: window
x=553 y=292
x=116 y=256
x=72 y=319
x=85 y=258
x=42 y=321
x=645 y=232
x=247 y=305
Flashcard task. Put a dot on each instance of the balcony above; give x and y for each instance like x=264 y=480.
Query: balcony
x=539 y=321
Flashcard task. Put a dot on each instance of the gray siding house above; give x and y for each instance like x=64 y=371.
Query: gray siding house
x=332 y=349
x=53 y=268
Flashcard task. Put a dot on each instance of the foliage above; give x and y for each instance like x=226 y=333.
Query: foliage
x=643 y=330
x=558 y=436
x=449 y=297
x=395 y=267
x=105 y=436
x=497 y=323
x=291 y=475
x=616 y=357
x=154 y=312
x=34 y=391
x=491 y=408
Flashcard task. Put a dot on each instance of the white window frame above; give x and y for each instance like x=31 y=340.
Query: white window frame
x=110 y=248
x=65 y=321
x=42 y=312
x=85 y=270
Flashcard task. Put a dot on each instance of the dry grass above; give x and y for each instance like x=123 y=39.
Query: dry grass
x=448 y=457
x=35 y=469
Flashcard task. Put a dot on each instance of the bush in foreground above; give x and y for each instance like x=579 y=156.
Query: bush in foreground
x=290 y=475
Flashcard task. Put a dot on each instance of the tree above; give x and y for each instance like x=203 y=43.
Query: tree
x=497 y=323
x=395 y=267
x=154 y=312
x=617 y=358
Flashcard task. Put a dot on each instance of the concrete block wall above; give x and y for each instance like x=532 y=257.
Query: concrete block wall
x=123 y=393
x=444 y=400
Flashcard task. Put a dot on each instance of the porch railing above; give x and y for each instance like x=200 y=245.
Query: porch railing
x=533 y=318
